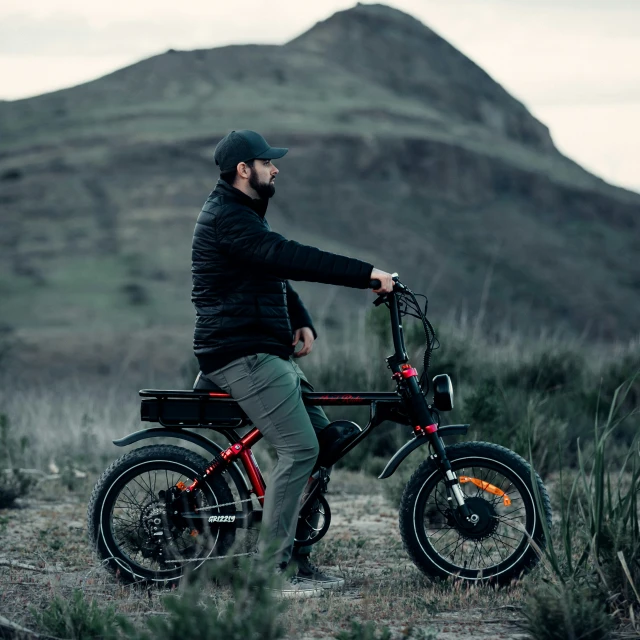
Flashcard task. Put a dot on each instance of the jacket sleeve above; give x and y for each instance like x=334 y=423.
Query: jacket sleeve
x=297 y=311
x=241 y=233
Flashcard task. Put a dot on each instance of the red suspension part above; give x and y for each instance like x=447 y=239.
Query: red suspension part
x=421 y=431
x=250 y=465
x=242 y=450
x=408 y=371
x=255 y=475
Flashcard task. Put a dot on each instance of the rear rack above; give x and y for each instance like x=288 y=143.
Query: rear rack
x=177 y=408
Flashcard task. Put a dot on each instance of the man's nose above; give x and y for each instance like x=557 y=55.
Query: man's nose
x=275 y=171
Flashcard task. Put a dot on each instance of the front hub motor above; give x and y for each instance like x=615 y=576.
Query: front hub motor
x=487 y=521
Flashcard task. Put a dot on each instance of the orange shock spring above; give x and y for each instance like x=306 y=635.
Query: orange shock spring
x=485 y=486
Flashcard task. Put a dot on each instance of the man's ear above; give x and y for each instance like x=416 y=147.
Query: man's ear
x=243 y=169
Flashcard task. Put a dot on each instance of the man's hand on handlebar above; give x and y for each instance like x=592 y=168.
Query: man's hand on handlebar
x=385 y=279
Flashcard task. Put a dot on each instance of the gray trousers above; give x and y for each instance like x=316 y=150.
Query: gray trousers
x=269 y=390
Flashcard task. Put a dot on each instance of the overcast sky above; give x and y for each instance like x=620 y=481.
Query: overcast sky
x=574 y=63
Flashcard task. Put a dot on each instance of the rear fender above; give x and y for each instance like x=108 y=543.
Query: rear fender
x=214 y=449
x=405 y=450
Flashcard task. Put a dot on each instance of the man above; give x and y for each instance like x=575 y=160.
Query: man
x=249 y=320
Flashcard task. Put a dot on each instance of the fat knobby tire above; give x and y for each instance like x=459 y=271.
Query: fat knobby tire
x=431 y=563
x=102 y=542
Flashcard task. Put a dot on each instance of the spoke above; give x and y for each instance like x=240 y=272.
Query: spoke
x=147 y=487
x=460 y=542
x=487 y=554
x=127 y=528
x=504 y=516
x=522 y=533
x=152 y=484
x=503 y=535
x=129 y=521
x=444 y=549
x=447 y=530
x=134 y=500
x=135 y=505
x=143 y=488
x=469 y=564
x=497 y=535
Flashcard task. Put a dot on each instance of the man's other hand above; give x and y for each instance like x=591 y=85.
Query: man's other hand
x=306 y=335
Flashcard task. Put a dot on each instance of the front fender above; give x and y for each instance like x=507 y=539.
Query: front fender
x=405 y=450
x=182 y=434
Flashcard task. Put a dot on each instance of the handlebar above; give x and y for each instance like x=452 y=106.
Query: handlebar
x=397 y=287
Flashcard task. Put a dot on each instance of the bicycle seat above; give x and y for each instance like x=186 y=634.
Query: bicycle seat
x=204 y=384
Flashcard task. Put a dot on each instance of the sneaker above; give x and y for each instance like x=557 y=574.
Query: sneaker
x=295 y=588
x=292 y=587
x=310 y=574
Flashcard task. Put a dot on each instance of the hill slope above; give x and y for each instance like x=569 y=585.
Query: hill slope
x=403 y=152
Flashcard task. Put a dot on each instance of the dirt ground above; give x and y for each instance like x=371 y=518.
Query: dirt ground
x=363 y=545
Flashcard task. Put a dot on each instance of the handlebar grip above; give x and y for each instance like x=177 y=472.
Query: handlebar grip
x=375 y=284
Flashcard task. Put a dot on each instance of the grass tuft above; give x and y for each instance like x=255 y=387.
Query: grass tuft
x=247 y=609
x=595 y=564
x=367 y=631
x=566 y=612
x=77 y=618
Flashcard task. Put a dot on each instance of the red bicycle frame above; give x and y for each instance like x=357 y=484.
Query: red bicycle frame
x=241 y=448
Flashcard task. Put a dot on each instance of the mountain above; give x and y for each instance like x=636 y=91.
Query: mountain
x=402 y=151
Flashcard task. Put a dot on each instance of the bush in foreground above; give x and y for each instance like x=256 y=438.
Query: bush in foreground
x=566 y=612
x=13 y=485
x=595 y=568
x=248 y=610
x=242 y=607
x=76 y=618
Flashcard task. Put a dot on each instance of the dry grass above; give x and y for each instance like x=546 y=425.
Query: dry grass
x=63 y=427
x=363 y=545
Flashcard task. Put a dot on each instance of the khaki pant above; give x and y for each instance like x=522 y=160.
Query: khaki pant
x=269 y=390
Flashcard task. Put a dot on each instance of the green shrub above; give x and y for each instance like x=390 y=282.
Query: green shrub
x=249 y=610
x=76 y=618
x=241 y=607
x=13 y=485
x=552 y=370
x=599 y=551
x=565 y=612
x=457 y=354
x=12 y=448
x=367 y=631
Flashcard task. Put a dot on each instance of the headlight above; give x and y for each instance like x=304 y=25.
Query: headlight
x=442 y=393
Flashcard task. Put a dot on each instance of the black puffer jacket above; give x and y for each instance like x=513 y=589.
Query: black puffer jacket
x=244 y=304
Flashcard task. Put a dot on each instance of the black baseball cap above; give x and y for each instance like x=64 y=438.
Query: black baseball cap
x=242 y=146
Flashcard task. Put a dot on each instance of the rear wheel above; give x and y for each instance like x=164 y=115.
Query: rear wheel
x=497 y=487
x=146 y=528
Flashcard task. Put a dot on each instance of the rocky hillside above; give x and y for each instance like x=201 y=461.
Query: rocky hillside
x=403 y=152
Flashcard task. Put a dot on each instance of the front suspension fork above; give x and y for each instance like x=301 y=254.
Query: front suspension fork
x=407 y=378
x=454 y=491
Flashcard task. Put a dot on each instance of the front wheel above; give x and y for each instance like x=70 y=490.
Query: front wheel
x=497 y=487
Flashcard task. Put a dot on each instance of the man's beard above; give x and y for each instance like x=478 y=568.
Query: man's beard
x=264 y=191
